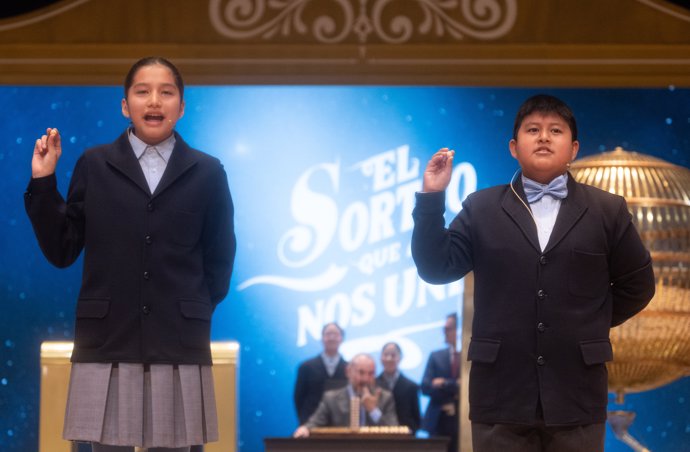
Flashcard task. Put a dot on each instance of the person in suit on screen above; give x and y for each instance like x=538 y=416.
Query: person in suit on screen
x=154 y=218
x=441 y=384
x=376 y=405
x=320 y=373
x=405 y=391
x=556 y=264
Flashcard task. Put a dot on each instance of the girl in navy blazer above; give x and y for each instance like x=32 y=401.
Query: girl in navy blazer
x=155 y=220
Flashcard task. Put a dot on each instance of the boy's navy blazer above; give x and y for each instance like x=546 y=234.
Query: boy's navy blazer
x=155 y=264
x=541 y=318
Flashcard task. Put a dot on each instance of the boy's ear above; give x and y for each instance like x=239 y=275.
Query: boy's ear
x=125 y=108
x=576 y=148
x=512 y=144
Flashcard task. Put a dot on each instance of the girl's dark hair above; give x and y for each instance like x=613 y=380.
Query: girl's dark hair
x=150 y=61
x=543 y=103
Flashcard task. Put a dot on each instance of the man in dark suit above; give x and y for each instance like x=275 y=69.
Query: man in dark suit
x=321 y=373
x=556 y=264
x=405 y=391
x=440 y=383
x=376 y=405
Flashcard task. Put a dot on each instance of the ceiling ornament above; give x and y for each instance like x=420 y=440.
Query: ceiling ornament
x=363 y=21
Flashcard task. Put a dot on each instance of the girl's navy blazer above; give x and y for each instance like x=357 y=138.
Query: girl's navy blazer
x=155 y=264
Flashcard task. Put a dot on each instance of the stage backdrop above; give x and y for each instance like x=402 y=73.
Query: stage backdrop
x=323 y=180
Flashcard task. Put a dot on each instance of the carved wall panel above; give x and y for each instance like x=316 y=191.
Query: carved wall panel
x=465 y=42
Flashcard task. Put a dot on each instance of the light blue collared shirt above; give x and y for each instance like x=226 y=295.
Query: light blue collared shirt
x=153 y=159
x=331 y=363
x=391 y=379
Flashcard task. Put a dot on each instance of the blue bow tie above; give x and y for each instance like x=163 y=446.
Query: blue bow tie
x=535 y=191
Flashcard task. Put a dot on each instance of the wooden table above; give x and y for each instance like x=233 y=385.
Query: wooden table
x=358 y=443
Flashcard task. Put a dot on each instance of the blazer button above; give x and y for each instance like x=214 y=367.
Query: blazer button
x=541 y=294
x=147 y=275
x=145 y=309
x=541 y=361
x=148 y=239
x=541 y=327
x=149 y=207
x=543 y=260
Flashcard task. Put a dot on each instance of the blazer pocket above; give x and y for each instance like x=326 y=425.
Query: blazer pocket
x=589 y=274
x=186 y=230
x=90 y=330
x=596 y=351
x=195 y=310
x=93 y=308
x=593 y=386
x=483 y=350
x=484 y=380
x=195 y=331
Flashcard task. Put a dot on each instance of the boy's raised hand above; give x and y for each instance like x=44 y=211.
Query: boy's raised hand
x=438 y=171
x=47 y=151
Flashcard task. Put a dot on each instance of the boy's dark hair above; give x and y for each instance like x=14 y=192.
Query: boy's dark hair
x=149 y=61
x=543 y=103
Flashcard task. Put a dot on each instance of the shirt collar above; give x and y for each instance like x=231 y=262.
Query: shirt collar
x=164 y=148
x=330 y=359
x=391 y=379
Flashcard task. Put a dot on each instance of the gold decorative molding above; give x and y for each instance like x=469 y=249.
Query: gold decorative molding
x=585 y=43
x=386 y=21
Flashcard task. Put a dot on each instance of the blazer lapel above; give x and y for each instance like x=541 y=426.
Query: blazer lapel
x=181 y=160
x=520 y=213
x=121 y=156
x=572 y=209
x=342 y=399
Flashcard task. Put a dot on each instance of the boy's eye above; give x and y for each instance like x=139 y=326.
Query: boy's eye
x=532 y=129
x=556 y=130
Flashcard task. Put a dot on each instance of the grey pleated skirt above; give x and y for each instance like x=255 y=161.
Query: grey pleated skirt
x=128 y=404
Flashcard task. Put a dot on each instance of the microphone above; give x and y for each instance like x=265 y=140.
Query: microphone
x=512 y=179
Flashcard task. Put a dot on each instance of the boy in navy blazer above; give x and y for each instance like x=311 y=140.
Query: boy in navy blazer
x=556 y=265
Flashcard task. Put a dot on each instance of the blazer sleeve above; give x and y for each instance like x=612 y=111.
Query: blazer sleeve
x=441 y=255
x=322 y=417
x=300 y=392
x=413 y=401
x=58 y=224
x=632 y=275
x=443 y=393
x=219 y=239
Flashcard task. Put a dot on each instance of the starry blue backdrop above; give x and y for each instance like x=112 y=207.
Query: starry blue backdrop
x=267 y=137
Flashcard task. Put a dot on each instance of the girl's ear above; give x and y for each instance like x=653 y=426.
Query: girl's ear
x=125 y=108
